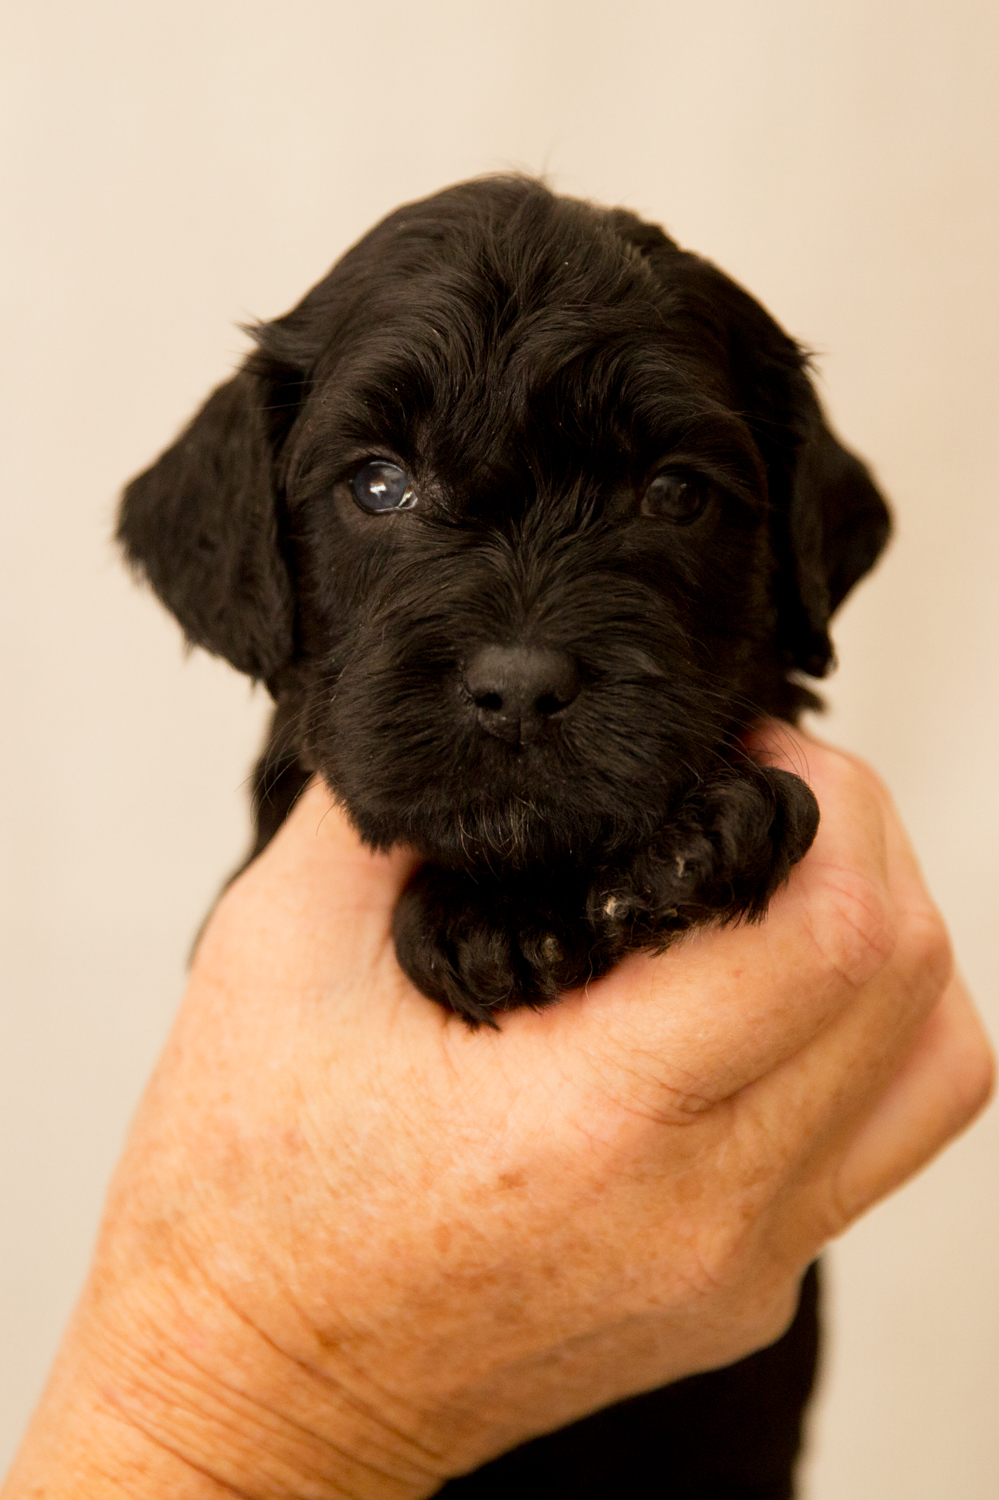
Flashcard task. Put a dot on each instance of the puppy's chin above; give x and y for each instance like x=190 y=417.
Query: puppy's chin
x=512 y=832
x=469 y=802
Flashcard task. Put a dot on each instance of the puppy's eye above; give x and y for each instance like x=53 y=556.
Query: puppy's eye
x=677 y=495
x=381 y=486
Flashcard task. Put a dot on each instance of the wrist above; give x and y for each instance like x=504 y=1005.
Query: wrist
x=200 y=1405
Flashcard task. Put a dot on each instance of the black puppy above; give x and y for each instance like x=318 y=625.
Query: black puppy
x=523 y=515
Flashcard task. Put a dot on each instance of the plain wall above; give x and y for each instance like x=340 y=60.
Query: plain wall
x=174 y=167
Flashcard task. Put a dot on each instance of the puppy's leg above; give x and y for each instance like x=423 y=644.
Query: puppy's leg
x=732 y=842
x=480 y=945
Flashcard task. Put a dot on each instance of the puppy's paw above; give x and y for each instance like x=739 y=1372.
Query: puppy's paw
x=480 y=948
x=731 y=845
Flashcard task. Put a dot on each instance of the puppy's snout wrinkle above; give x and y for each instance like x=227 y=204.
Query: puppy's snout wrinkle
x=516 y=690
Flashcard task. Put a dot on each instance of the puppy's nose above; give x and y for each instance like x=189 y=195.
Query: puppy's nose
x=517 y=689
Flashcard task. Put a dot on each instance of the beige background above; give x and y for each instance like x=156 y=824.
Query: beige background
x=171 y=167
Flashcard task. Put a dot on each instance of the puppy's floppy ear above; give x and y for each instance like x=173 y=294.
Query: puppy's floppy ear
x=829 y=519
x=833 y=530
x=202 y=522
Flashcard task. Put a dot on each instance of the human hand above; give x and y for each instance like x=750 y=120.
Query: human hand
x=354 y=1248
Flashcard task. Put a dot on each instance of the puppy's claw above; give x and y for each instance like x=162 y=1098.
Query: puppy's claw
x=551 y=948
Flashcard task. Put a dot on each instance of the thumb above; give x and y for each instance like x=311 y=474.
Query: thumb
x=319 y=845
x=315 y=897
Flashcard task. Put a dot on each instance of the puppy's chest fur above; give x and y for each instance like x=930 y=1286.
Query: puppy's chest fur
x=524 y=515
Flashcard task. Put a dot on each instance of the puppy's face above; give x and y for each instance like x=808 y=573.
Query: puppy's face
x=523 y=514
x=533 y=565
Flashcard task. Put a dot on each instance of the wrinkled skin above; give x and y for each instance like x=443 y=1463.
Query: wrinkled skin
x=354 y=1248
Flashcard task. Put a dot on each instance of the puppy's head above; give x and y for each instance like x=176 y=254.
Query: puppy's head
x=523 y=514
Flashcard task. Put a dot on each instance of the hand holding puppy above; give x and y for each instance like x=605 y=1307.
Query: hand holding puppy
x=354 y=1248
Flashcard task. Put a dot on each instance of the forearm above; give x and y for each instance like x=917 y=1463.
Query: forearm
x=127 y=1412
x=81 y=1443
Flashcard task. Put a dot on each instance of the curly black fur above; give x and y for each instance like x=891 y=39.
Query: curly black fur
x=531 y=361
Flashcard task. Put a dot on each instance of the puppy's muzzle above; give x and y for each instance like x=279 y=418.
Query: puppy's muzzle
x=518 y=690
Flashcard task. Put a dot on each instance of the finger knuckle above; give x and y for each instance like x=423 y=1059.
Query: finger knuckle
x=762 y=1311
x=836 y=1208
x=776 y=1315
x=729 y=1251
x=720 y=1261
x=924 y=949
x=854 y=925
x=975 y=1079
